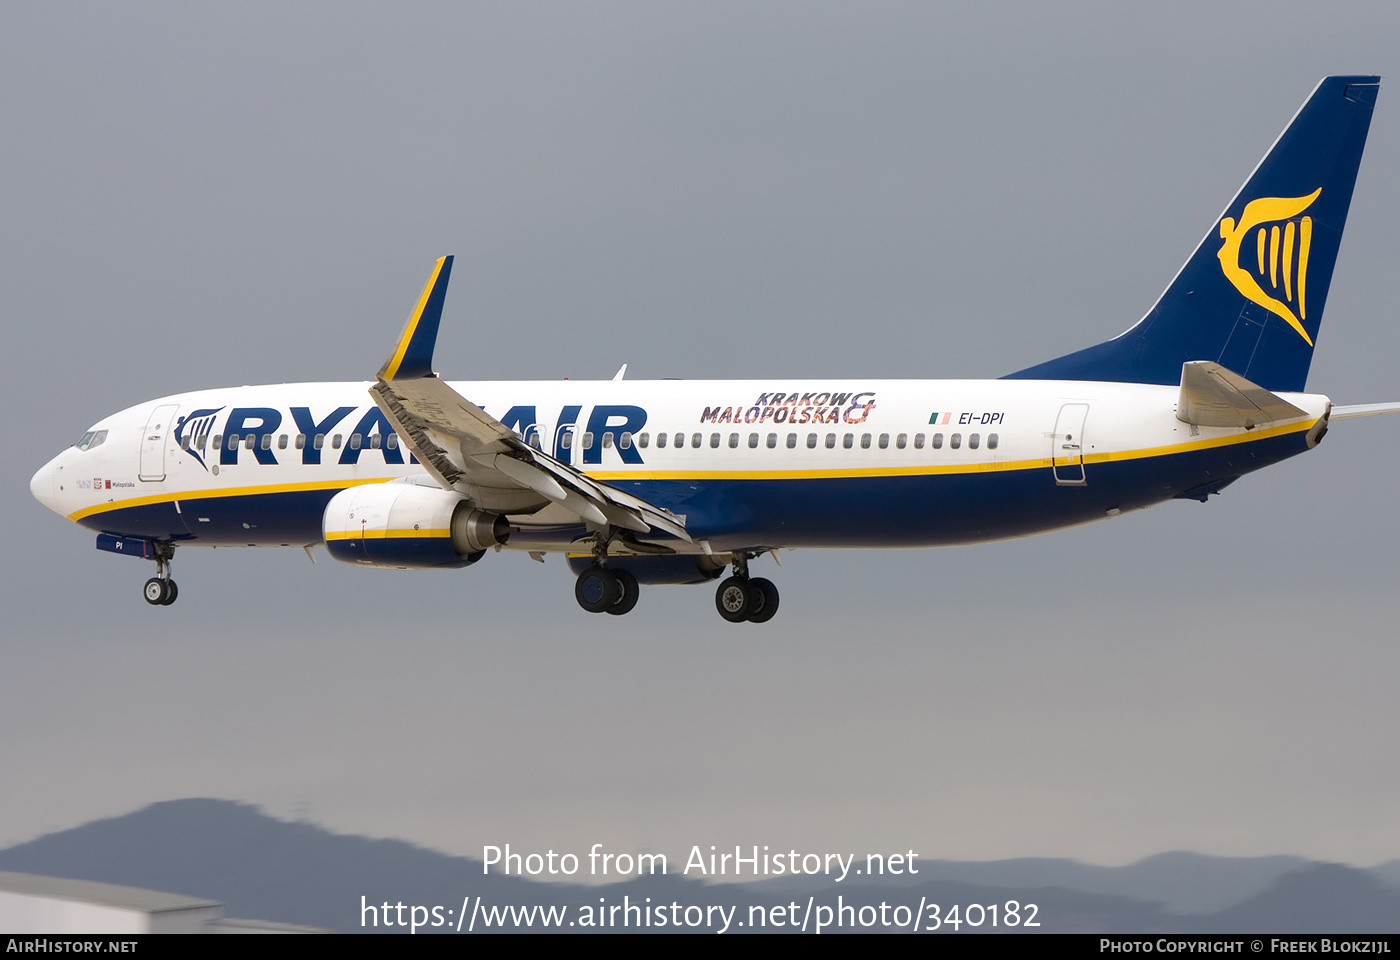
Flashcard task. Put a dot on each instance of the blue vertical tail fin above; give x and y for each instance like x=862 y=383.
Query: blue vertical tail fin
x=1251 y=297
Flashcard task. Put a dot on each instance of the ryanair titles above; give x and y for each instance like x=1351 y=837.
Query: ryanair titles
x=816 y=406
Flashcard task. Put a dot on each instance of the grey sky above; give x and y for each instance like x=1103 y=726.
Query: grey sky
x=202 y=196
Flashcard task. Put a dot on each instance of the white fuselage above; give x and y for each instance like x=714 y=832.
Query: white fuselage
x=750 y=464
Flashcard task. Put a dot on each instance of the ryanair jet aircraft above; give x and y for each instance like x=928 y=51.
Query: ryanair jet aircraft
x=677 y=481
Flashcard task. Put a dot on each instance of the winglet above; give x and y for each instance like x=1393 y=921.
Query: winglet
x=413 y=355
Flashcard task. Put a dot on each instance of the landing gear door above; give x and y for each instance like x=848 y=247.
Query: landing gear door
x=153 y=442
x=1067 y=445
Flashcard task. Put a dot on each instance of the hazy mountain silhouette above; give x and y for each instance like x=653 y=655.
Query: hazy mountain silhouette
x=1181 y=882
x=1320 y=898
x=259 y=866
x=1389 y=873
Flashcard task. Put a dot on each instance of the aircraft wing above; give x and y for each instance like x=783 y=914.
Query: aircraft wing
x=467 y=450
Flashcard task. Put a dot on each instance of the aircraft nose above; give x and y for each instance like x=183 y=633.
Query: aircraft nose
x=41 y=485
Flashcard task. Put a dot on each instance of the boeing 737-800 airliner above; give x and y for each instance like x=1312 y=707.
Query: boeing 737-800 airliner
x=676 y=481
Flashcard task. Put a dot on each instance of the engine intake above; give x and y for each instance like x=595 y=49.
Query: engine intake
x=408 y=526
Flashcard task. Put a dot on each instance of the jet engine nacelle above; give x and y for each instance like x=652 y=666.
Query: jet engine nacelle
x=408 y=526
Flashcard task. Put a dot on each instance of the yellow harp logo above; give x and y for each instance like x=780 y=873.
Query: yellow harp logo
x=1290 y=246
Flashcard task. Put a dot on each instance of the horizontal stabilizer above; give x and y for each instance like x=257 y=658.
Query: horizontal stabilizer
x=1363 y=410
x=1212 y=396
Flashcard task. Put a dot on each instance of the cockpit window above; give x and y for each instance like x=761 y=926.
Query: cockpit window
x=93 y=438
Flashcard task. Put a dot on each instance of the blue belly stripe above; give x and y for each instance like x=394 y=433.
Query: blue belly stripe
x=875 y=511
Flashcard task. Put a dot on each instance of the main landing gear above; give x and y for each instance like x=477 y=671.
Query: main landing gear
x=600 y=590
x=740 y=598
x=160 y=590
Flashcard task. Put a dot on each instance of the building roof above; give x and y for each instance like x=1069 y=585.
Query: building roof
x=107 y=894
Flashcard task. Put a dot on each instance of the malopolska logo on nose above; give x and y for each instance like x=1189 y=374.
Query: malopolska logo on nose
x=1280 y=255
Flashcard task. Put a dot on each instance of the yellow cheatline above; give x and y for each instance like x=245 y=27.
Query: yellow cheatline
x=1288 y=261
x=391 y=369
x=433 y=534
x=1171 y=448
x=1304 y=242
x=218 y=493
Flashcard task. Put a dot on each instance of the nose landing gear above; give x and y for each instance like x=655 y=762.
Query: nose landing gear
x=160 y=590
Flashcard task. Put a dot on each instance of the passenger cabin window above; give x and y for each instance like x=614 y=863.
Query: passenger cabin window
x=625 y=441
x=900 y=440
x=393 y=442
x=335 y=442
x=792 y=441
x=301 y=441
x=734 y=441
x=355 y=441
x=974 y=440
x=849 y=440
x=830 y=441
x=567 y=440
x=218 y=441
x=884 y=441
x=992 y=441
x=320 y=441
x=375 y=440
x=248 y=440
x=865 y=441
x=753 y=440
x=266 y=443
x=696 y=439
x=955 y=441
x=282 y=442
x=918 y=441
x=811 y=441
x=938 y=441
x=644 y=439
x=588 y=439
x=607 y=439
x=772 y=440
x=714 y=441
x=660 y=441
